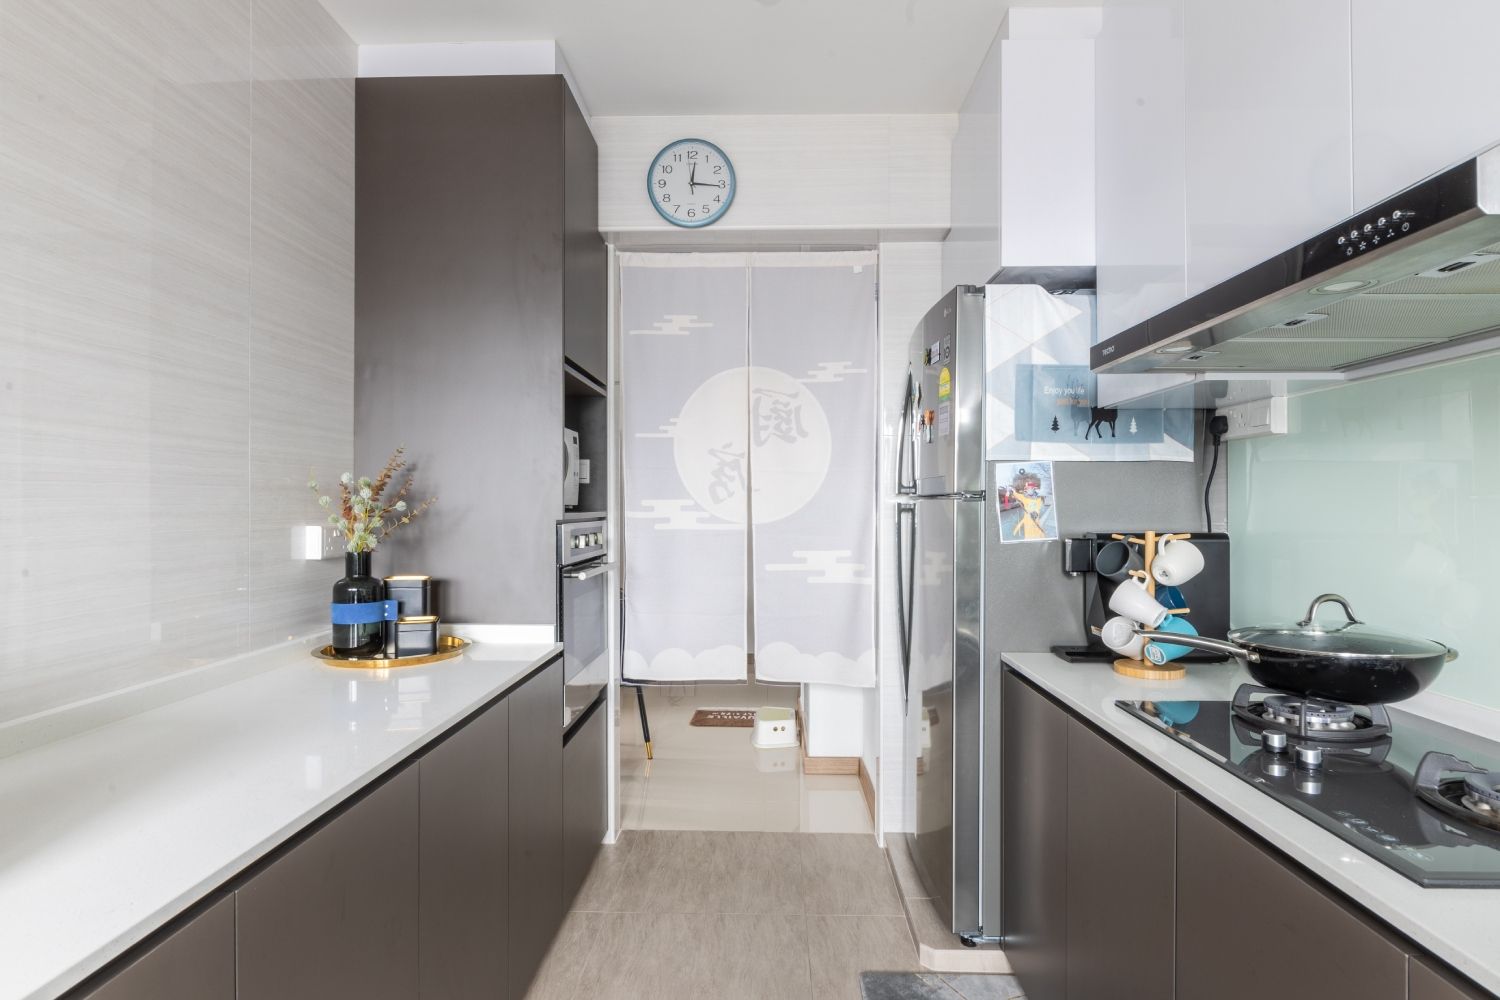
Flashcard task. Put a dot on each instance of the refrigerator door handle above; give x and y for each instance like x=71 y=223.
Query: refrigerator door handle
x=906 y=577
x=904 y=445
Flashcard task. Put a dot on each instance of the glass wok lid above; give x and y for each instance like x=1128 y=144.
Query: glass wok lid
x=1351 y=638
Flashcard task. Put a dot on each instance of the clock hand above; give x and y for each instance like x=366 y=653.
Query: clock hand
x=692 y=174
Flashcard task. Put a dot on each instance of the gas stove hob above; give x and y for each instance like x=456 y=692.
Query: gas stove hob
x=1418 y=796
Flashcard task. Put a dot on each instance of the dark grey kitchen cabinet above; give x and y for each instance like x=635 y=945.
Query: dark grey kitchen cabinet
x=465 y=861
x=1428 y=982
x=1121 y=868
x=1249 y=926
x=1034 y=876
x=336 y=914
x=194 y=961
x=585 y=268
x=535 y=834
x=477 y=255
x=585 y=800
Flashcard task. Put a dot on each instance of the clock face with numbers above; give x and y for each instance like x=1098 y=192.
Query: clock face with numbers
x=691 y=183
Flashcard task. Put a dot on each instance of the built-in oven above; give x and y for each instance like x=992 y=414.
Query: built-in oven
x=585 y=591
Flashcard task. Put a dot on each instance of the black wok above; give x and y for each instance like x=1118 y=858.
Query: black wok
x=1350 y=662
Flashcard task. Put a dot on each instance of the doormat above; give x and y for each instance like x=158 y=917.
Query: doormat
x=724 y=718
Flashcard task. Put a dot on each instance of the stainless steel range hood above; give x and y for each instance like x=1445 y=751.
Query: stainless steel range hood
x=1417 y=271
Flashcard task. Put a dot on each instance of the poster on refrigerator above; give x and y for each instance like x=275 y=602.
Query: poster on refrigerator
x=1025 y=501
x=1042 y=400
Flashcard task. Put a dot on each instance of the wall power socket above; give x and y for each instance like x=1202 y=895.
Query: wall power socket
x=1257 y=418
x=316 y=542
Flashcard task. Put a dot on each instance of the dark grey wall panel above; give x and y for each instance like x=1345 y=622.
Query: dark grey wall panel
x=194 y=962
x=336 y=915
x=459 y=321
x=465 y=861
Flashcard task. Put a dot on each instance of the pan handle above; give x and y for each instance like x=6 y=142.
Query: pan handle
x=1322 y=599
x=1201 y=642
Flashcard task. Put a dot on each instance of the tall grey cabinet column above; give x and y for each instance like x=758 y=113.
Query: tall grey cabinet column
x=477 y=247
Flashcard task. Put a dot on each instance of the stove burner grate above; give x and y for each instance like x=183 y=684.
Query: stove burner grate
x=1459 y=789
x=1310 y=718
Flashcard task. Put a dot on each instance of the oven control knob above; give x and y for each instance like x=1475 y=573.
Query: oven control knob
x=1273 y=741
x=1310 y=758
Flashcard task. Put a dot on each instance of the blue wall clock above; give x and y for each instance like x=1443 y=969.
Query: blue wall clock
x=691 y=183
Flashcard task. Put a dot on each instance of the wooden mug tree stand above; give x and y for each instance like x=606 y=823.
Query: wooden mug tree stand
x=1145 y=669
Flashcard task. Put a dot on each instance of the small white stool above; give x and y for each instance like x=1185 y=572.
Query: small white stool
x=775 y=728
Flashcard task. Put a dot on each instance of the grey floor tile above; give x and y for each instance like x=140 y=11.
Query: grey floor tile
x=976 y=987
x=844 y=947
x=847 y=873
x=561 y=975
x=903 y=986
x=683 y=956
x=689 y=871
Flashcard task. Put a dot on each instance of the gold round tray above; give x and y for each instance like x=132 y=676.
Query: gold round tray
x=448 y=647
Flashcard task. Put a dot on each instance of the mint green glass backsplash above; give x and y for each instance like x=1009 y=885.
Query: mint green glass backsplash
x=1387 y=492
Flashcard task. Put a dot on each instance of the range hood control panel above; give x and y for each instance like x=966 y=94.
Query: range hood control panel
x=1409 y=212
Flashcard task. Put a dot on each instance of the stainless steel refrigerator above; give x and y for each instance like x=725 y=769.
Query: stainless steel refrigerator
x=952 y=629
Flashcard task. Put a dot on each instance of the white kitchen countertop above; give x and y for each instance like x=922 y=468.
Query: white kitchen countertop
x=1459 y=926
x=112 y=832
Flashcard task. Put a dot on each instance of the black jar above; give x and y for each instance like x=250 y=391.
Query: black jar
x=359 y=587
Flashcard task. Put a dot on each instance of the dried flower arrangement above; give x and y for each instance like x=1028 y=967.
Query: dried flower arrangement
x=362 y=514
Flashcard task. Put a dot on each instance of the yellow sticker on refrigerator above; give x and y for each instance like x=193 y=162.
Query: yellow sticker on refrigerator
x=945 y=384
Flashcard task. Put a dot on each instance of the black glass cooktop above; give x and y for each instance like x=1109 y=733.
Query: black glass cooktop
x=1360 y=790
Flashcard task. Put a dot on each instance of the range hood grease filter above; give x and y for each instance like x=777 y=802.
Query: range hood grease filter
x=1418 y=271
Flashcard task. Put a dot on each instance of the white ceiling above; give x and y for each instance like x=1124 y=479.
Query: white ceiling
x=680 y=57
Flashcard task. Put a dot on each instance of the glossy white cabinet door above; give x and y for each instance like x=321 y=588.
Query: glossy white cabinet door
x=1426 y=93
x=1268 y=129
x=971 y=253
x=1140 y=224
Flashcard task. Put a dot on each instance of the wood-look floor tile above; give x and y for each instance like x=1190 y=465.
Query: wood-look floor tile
x=843 y=947
x=684 y=956
x=847 y=873
x=684 y=871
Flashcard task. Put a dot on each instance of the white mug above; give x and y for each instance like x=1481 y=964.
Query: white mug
x=1131 y=600
x=1176 y=562
x=1119 y=635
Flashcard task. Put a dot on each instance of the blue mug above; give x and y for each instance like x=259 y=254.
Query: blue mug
x=1170 y=597
x=1159 y=652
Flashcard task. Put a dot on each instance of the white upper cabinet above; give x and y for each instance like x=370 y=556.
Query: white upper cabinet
x=1267 y=129
x=1140 y=218
x=1023 y=157
x=1426 y=91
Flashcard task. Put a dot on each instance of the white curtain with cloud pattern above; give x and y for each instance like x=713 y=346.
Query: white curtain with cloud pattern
x=748 y=403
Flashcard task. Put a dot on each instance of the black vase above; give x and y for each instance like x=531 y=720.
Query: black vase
x=358 y=587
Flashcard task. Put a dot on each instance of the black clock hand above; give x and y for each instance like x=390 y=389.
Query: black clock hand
x=692 y=174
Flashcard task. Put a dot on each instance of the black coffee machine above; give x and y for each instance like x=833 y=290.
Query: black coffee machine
x=1207 y=594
